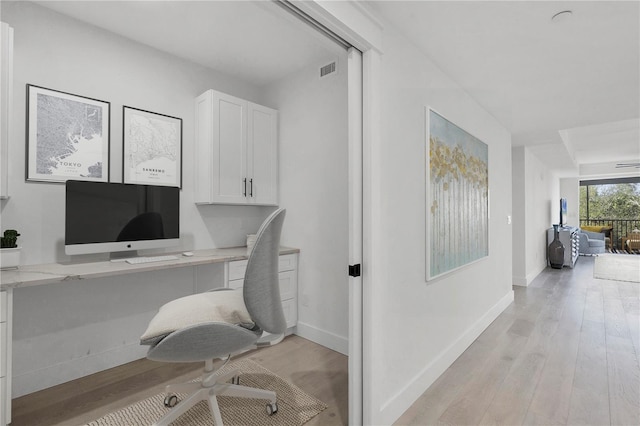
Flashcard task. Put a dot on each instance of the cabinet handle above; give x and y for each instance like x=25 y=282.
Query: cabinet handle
x=250 y=187
x=244 y=184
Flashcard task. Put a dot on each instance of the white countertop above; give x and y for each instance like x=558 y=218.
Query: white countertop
x=33 y=275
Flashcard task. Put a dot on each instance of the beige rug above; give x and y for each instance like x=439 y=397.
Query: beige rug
x=617 y=267
x=295 y=407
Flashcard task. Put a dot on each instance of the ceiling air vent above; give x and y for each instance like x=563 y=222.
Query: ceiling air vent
x=625 y=165
x=328 y=69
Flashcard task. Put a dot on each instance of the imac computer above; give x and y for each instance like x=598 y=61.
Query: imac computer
x=102 y=217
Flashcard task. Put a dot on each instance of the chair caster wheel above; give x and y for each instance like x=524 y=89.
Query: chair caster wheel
x=170 y=401
x=272 y=408
x=235 y=380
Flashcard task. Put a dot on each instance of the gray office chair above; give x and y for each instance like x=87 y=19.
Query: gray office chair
x=220 y=323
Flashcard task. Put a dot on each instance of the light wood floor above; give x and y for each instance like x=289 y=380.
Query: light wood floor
x=564 y=353
x=315 y=369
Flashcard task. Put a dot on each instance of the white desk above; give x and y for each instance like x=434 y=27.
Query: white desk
x=38 y=275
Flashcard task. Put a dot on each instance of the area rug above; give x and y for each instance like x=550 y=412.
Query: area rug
x=295 y=407
x=618 y=267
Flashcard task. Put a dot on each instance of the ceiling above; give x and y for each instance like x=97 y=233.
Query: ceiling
x=256 y=41
x=568 y=89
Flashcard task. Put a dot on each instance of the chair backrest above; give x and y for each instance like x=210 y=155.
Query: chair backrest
x=261 y=284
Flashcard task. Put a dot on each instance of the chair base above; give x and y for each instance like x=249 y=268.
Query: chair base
x=212 y=384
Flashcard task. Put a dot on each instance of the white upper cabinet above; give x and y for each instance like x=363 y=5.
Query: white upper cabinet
x=236 y=152
x=6 y=91
x=262 y=137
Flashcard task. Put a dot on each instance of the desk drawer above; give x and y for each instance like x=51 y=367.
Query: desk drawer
x=288 y=285
x=287 y=262
x=290 y=309
x=5 y=402
x=236 y=284
x=3 y=306
x=236 y=269
x=3 y=360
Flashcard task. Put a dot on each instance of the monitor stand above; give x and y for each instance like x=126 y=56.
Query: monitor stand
x=121 y=256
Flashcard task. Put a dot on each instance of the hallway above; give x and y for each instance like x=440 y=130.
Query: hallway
x=564 y=353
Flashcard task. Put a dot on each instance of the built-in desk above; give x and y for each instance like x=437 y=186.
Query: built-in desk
x=234 y=260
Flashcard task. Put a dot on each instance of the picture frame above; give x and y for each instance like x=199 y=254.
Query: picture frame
x=457 y=197
x=152 y=148
x=67 y=136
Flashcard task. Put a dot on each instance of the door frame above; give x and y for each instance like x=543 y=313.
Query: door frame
x=354 y=101
x=355 y=24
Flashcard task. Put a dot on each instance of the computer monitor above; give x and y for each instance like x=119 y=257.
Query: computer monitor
x=114 y=217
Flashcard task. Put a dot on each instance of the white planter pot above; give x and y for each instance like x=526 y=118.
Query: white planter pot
x=9 y=258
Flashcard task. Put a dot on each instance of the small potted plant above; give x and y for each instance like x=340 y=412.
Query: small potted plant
x=9 y=250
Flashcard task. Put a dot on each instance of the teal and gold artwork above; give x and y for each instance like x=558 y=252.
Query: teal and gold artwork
x=457 y=197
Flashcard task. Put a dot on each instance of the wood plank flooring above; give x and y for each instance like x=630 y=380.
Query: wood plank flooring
x=315 y=369
x=564 y=353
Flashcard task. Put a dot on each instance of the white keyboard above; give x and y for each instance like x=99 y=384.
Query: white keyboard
x=149 y=259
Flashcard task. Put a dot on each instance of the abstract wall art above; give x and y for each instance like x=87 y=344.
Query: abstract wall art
x=457 y=195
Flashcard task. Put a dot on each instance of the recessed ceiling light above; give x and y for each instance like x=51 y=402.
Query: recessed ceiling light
x=562 y=16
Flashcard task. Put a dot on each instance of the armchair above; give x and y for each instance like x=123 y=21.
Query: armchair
x=590 y=243
x=631 y=241
x=220 y=323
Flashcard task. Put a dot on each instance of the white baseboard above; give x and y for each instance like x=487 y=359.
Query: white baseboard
x=525 y=281
x=323 y=337
x=399 y=403
x=520 y=281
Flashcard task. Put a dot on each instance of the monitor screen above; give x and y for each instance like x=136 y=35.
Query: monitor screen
x=114 y=217
x=563 y=212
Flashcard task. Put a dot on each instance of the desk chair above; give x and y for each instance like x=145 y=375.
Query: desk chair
x=220 y=323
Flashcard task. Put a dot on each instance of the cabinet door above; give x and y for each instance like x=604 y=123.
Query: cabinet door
x=236 y=154
x=229 y=149
x=262 y=159
x=6 y=97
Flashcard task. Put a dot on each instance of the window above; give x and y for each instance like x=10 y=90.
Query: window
x=613 y=204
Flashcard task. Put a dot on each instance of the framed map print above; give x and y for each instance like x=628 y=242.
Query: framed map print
x=67 y=136
x=152 y=153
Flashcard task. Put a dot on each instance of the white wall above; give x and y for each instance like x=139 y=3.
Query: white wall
x=313 y=189
x=536 y=200
x=520 y=216
x=60 y=53
x=570 y=189
x=419 y=328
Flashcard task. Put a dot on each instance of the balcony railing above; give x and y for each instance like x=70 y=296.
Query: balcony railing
x=619 y=228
